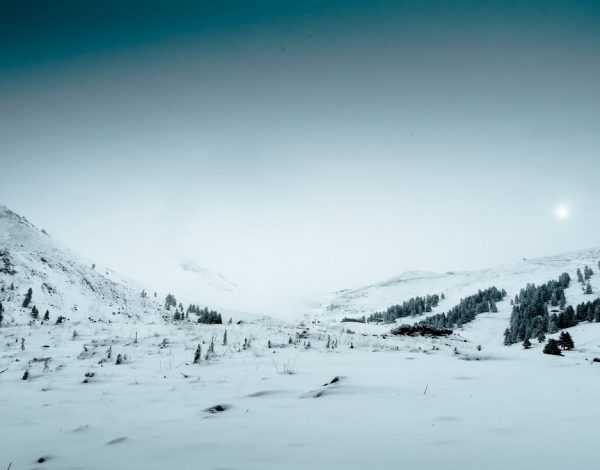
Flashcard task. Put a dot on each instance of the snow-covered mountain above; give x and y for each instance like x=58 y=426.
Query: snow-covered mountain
x=459 y=284
x=62 y=282
x=130 y=388
x=206 y=276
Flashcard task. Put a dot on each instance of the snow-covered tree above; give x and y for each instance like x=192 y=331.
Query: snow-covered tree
x=565 y=341
x=27 y=299
x=552 y=347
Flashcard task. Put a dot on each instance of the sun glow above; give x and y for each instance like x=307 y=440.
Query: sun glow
x=561 y=212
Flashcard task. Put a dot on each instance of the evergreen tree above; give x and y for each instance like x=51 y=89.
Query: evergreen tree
x=27 y=299
x=552 y=348
x=225 y=338
x=1 y=313
x=466 y=310
x=507 y=338
x=170 y=301
x=588 y=288
x=47 y=316
x=198 y=355
x=530 y=315
x=541 y=338
x=526 y=344
x=579 y=276
x=210 y=317
x=34 y=313
x=565 y=341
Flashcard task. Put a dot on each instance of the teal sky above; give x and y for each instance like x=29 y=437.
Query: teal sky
x=299 y=147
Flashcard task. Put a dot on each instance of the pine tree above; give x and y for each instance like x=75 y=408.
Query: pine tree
x=541 y=338
x=47 y=316
x=34 y=313
x=526 y=343
x=27 y=299
x=579 y=276
x=1 y=313
x=170 y=301
x=198 y=355
x=565 y=341
x=225 y=338
x=507 y=338
x=552 y=348
x=588 y=288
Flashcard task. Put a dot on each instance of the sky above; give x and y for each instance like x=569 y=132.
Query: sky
x=302 y=147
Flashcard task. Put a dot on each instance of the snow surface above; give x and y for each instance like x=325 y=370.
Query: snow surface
x=406 y=403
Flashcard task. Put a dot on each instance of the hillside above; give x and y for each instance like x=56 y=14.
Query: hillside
x=62 y=282
x=456 y=285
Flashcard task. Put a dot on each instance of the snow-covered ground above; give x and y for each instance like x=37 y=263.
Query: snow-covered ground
x=395 y=402
x=408 y=408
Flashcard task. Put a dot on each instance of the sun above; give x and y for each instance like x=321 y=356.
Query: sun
x=561 y=212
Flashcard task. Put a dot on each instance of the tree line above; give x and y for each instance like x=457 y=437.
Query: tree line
x=467 y=309
x=530 y=317
x=409 y=308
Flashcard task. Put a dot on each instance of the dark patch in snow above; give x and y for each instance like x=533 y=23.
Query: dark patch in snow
x=335 y=380
x=263 y=393
x=447 y=419
x=118 y=440
x=85 y=427
x=217 y=409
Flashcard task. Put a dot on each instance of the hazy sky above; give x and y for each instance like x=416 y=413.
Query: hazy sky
x=301 y=146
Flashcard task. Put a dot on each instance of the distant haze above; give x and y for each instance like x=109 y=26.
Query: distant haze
x=297 y=148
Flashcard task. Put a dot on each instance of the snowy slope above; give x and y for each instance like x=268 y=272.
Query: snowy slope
x=62 y=282
x=457 y=285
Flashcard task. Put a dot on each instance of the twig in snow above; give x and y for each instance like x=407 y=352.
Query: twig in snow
x=425 y=392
